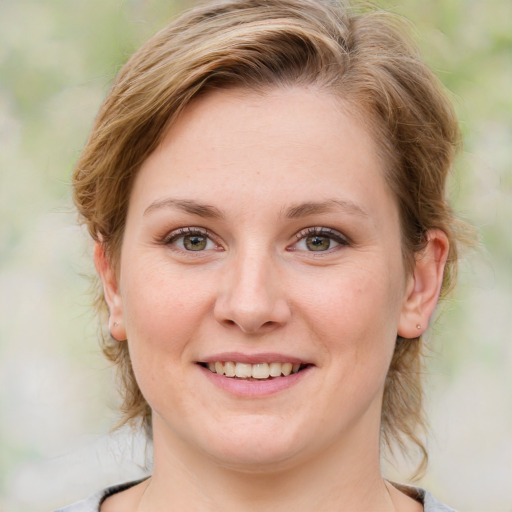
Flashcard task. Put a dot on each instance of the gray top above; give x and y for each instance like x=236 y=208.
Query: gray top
x=92 y=504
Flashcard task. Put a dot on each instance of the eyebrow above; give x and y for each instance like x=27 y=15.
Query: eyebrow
x=188 y=206
x=294 y=212
x=331 y=205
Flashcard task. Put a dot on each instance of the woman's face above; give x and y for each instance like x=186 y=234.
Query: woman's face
x=262 y=238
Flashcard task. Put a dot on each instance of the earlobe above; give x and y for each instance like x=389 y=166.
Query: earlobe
x=111 y=292
x=424 y=286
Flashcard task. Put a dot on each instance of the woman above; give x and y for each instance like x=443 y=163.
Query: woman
x=265 y=188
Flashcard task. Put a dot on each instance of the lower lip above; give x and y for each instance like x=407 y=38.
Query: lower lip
x=254 y=388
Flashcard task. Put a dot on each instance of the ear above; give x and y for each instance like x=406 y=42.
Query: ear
x=111 y=292
x=424 y=286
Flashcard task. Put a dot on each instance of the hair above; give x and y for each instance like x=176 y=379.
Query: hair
x=363 y=57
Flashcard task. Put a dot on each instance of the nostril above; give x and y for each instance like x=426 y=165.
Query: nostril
x=251 y=311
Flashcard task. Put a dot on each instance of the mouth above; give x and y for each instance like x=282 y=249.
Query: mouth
x=258 y=371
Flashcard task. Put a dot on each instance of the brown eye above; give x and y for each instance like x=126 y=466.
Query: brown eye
x=195 y=242
x=191 y=240
x=319 y=239
x=318 y=243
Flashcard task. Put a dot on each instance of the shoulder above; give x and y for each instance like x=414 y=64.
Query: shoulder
x=93 y=502
x=430 y=504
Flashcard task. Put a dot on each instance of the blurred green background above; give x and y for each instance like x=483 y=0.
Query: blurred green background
x=57 y=395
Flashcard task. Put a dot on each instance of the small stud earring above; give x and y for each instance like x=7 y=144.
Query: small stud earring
x=116 y=324
x=418 y=326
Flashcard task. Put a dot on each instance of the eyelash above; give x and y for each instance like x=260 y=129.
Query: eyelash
x=322 y=232
x=174 y=236
x=302 y=235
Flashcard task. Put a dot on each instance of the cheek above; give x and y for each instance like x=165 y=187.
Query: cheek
x=161 y=313
x=355 y=297
x=162 y=309
x=354 y=316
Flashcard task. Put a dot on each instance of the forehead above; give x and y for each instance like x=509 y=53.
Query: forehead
x=286 y=143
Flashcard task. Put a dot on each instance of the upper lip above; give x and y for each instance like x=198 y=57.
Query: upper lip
x=262 y=357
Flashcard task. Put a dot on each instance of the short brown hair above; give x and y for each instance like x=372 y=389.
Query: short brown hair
x=361 y=56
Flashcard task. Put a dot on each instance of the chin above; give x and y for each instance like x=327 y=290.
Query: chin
x=252 y=444
x=255 y=458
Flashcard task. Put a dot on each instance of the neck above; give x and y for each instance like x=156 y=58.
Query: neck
x=341 y=478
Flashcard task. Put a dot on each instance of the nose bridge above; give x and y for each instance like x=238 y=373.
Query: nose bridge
x=253 y=276
x=251 y=295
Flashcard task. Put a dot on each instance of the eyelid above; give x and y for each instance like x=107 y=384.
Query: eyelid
x=333 y=234
x=175 y=234
x=188 y=230
x=322 y=231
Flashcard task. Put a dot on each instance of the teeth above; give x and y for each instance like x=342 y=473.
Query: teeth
x=219 y=368
x=255 y=371
x=260 y=371
x=242 y=370
x=275 y=369
x=229 y=369
x=286 y=369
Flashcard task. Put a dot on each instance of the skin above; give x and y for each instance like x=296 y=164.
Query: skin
x=252 y=166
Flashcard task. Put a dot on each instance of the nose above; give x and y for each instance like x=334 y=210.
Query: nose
x=252 y=296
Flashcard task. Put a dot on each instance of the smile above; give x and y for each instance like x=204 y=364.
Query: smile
x=258 y=371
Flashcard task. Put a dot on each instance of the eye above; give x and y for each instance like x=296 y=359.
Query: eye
x=191 y=239
x=319 y=239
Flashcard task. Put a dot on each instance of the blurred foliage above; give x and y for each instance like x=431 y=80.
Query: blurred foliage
x=57 y=59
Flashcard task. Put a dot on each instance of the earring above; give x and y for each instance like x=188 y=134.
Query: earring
x=115 y=325
x=418 y=326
